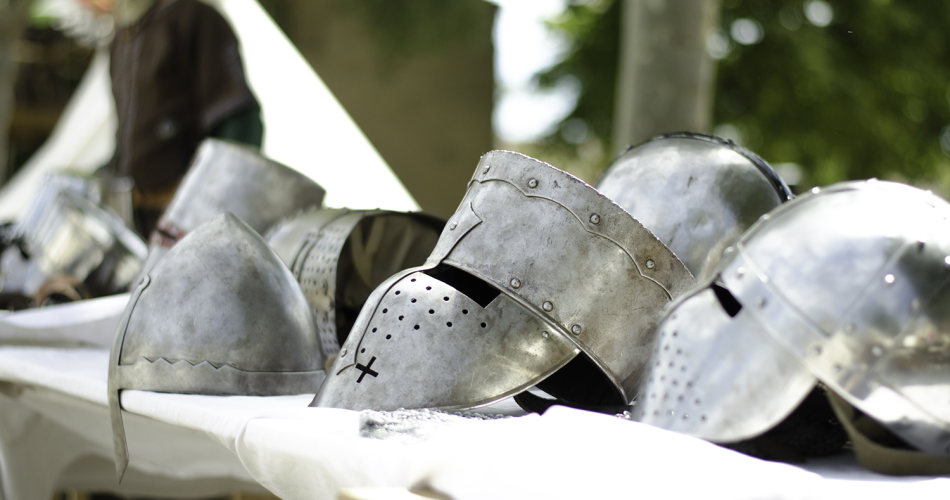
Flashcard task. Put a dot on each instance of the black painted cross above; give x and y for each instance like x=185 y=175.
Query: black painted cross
x=366 y=369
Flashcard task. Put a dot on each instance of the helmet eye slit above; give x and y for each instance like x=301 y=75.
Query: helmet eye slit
x=472 y=287
x=728 y=302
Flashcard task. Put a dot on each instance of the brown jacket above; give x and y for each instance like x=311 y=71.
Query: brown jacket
x=176 y=74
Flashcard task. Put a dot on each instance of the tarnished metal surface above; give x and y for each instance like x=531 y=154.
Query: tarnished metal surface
x=337 y=267
x=717 y=377
x=430 y=346
x=697 y=193
x=853 y=282
x=53 y=184
x=219 y=315
x=76 y=238
x=228 y=177
x=14 y=262
x=534 y=268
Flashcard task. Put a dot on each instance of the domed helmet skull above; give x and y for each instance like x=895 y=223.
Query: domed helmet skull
x=229 y=177
x=849 y=286
x=537 y=279
x=219 y=315
x=339 y=256
x=698 y=193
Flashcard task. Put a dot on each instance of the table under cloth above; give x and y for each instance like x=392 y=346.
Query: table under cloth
x=55 y=433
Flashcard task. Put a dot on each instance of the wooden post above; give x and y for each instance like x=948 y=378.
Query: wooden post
x=665 y=76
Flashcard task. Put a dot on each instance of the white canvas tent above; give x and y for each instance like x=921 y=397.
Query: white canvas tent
x=306 y=128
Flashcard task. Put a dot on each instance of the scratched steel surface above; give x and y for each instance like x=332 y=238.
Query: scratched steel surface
x=219 y=315
x=229 y=177
x=336 y=268
x=697 y=193
x=571 y=272
x=849 y=284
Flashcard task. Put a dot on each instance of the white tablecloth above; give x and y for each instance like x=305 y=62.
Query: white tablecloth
x=55 y=432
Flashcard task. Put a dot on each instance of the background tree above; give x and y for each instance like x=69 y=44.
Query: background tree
x=846 y=89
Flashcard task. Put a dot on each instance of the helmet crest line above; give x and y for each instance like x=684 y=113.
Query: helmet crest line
x=583 y=226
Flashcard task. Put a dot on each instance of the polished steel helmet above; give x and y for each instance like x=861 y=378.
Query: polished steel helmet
x=53 y=184
x=219 y=315
x=339 y=256
x=229 y=177
x=698 y=193
x=848 y=285
x=538 y=279
x=76 y=240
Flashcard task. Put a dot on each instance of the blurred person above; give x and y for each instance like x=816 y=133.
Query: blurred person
x=177 y=78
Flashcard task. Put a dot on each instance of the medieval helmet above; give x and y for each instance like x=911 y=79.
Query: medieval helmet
x=76 y=240
x=538 y=279
x=339 y=256
x=17 y=240
x=219 y=315
x=53 y=184
x=698 y=193
x=849 y=285
x=229 y=177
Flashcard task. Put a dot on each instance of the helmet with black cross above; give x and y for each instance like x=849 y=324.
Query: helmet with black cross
x=537 y=280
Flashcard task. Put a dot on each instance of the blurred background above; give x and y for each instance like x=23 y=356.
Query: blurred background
x=825 y=90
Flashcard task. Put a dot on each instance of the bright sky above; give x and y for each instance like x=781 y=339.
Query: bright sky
x=524 y=46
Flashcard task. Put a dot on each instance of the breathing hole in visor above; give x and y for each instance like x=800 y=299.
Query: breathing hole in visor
x=728 y=302
x=472 y=287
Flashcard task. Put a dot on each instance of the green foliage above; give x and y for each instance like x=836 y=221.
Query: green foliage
x=593 y=29
x=866 y=96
